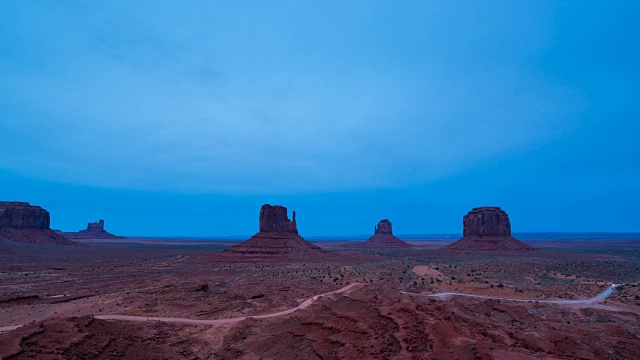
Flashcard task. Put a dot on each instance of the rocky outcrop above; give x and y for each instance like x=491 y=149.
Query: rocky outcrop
x=94 y=231
x=383 y=238
x=278 y=236
x=25 y=223
x=275 y=219
x=488 y=229
x=96 y=226
x=384 y=227
x=486 y=221
x=21 y=215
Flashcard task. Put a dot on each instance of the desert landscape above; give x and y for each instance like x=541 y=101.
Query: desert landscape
x=319 y=180
x=277 y=296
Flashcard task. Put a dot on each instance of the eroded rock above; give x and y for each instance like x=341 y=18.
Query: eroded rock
x=25 y=223
x=94 y=230
x=22 y=215
x=488 y=229
x=384 y=227
x=275 y=219
x=383 y=238
x=486 y=221
x=278 y=236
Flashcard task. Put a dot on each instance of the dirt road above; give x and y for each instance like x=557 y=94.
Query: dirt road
x=302 y=305
x=594 y=302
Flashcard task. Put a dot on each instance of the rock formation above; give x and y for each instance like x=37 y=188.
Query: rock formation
x=278 y=236
x=488 y=229
x=384 y=227
x=486 y=221
x=22 y=222
x=22 y=215
x=94 y=230
x=383 y=238
x=275 y=219
x=99 y=226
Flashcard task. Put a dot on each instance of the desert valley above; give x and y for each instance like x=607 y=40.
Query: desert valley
x=92 y=294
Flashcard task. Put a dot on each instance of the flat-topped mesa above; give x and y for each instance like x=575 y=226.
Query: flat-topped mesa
x=275 y=219
x=486 y=221
x=25 y=223
x=384 y=227
x=488 y=230
x=22 y=215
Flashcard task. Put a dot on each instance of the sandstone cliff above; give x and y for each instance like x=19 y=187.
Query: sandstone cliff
x=21 y=215
x=488 y=229
x=277 y=236
x=275 y=219
x=25 y=223
x=486 y=221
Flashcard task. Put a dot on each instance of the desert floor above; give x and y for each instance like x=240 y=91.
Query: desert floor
x=70 y=301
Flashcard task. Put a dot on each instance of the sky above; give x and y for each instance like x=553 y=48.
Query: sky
x=183 y=118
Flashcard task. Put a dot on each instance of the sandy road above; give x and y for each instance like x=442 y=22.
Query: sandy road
x=598 y=298
x=9 y=328
x=593 y=302
x=303 y=305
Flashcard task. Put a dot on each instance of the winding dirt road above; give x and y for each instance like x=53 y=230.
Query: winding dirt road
x=596 y=299
x=593 y=302
x=303 y=305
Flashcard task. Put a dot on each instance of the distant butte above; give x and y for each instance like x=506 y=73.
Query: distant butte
x=94 y=230
x=24 y=223
x=488 y=230
x=277 y=236
x=383 y=238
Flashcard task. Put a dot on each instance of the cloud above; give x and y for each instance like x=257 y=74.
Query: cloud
x=235 y=102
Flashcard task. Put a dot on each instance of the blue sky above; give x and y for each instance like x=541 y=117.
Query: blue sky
x=169 y=118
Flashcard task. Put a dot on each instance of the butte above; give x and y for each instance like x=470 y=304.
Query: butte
x=277 y=236
x=488 y=230
x=24 y=223
x=383 y=238
x=94 y=230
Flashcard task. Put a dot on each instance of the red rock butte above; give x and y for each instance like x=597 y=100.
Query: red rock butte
x=488 y=230
x=383 y=238
x=24 y=223
x=277 y=236
x=94 y=230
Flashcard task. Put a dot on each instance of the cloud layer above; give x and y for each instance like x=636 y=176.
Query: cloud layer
x=265 y=99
